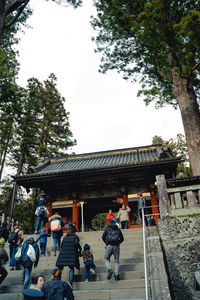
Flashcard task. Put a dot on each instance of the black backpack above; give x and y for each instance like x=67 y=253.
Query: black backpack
x=13 y=237
x=55 y=292
x=3 y=233
x=113 y=236
x=42 y=212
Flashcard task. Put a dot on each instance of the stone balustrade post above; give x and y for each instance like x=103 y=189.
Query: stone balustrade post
x=163 y=196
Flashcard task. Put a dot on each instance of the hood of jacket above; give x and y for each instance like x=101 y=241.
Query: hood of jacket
x=30 y=241
x=54 y=217
x=113 y=225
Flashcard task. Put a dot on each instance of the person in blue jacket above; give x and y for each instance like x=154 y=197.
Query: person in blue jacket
x=43 y=241
x=56 y=228
x=41 y=213
x=28 y=259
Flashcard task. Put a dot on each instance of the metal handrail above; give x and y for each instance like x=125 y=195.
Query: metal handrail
x=144 y=245
x=145 y=258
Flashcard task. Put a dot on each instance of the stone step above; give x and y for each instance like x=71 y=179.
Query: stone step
x=134 y=267
x=91 y=285
x=98 y=254
x=99 y=246
x=128 y=275
x=51 y=261
x=127 y=294
x=99 y=251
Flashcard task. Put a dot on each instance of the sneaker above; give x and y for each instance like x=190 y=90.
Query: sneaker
x=86 y=280
x=117 y=277
x=54 y=253
x=92 y=271
x=12 y=268
x=71 y=285
x=110 y=272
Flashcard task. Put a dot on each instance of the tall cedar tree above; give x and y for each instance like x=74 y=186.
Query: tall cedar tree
x=55 y=136
x=12 y=10
x=159 y=40
x=10 y=93
x=42 y=127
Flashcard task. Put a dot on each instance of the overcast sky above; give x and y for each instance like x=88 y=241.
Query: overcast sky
x=105 y=113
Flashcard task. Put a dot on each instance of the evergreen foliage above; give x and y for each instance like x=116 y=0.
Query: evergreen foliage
x=12 y=13
x=99 y=222
x=156 y=43
x=179 y=149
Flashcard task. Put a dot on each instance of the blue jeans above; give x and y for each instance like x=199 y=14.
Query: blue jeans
x=124 y=224
x=71 y=274
x=25 y=276
x=13 y=250
x=56 y=242
x=3 y=274
x=39 y=222
x=43 y=248
x=89 y=265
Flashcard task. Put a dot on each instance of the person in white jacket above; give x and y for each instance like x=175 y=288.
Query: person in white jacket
x=123 y=216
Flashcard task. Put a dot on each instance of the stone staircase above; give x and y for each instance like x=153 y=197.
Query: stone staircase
x=130 y=286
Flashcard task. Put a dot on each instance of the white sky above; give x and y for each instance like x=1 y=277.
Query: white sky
x=105 y=113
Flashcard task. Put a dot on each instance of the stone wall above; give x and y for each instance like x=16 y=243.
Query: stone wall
x=180 y=238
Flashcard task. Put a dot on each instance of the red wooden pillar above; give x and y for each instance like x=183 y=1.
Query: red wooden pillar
x=49 y=207
x=155 y=210
x=75 y=214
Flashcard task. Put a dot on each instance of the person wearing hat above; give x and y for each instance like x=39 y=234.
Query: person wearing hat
x=69 y=253
x=142 y=204
x=56 y=288
x=88 y=261
x=3 y=259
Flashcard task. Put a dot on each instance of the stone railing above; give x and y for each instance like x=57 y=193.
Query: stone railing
x=180 y=196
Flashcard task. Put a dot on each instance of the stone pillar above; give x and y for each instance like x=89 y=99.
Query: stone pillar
x=163 y=196
x=75 y=213
x=155 y=210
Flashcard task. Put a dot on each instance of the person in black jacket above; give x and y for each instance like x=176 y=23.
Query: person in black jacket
x=4 y=231
x=112 y=237
x=56 y=288
x=69 y=253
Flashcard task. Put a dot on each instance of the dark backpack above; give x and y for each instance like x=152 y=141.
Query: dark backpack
x=55 y=292
x=13 y=237
x=113 y=236
x=42 y=212
x=3 y=233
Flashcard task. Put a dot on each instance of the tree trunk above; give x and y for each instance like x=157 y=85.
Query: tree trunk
x=190 y=113
x=3 y=158
x=2 y=17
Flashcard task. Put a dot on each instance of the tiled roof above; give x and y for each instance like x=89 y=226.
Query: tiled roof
x=104 y=160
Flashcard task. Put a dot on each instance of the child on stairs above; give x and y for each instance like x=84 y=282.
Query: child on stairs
x=88 y=261
x=43 y=241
